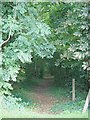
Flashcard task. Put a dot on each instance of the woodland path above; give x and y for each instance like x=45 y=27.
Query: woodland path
x=44 y=99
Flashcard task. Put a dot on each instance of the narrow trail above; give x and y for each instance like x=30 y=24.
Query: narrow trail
x=44 y=99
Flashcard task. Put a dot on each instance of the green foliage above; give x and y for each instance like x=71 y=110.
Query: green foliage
x=64 y=102
x=11 y=103
x=38 y=38
x=69 y=26
x=69 y=106
x=24 y=34
x=26 y=101
x=35 y=31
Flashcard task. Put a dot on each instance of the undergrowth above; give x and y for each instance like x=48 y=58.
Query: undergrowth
x=22 y=105
x=64 y=100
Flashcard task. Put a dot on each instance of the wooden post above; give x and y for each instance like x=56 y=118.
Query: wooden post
x=73 y=89
x=87 y=102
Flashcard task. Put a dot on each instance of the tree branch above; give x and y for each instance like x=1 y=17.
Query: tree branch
x=9 y=36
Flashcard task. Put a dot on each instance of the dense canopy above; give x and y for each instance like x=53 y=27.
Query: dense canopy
x=43 y=37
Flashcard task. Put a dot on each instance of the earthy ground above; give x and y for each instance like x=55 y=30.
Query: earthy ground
x=44 y=99
x=40 y=94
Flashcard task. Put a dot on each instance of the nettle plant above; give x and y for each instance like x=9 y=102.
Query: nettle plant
x=23 y=34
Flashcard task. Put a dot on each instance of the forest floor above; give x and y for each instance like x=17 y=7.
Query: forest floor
x=44 y=98
x=46 y=101
x=41 y=95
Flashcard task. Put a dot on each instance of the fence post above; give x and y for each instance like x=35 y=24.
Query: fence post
x=73 y=89
x=87 y=102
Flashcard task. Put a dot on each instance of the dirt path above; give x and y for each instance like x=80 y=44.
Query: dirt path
x=44 y=99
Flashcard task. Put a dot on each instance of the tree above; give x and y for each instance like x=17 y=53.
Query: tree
x=24 y=35
x=55 y=30
x=69 y=26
